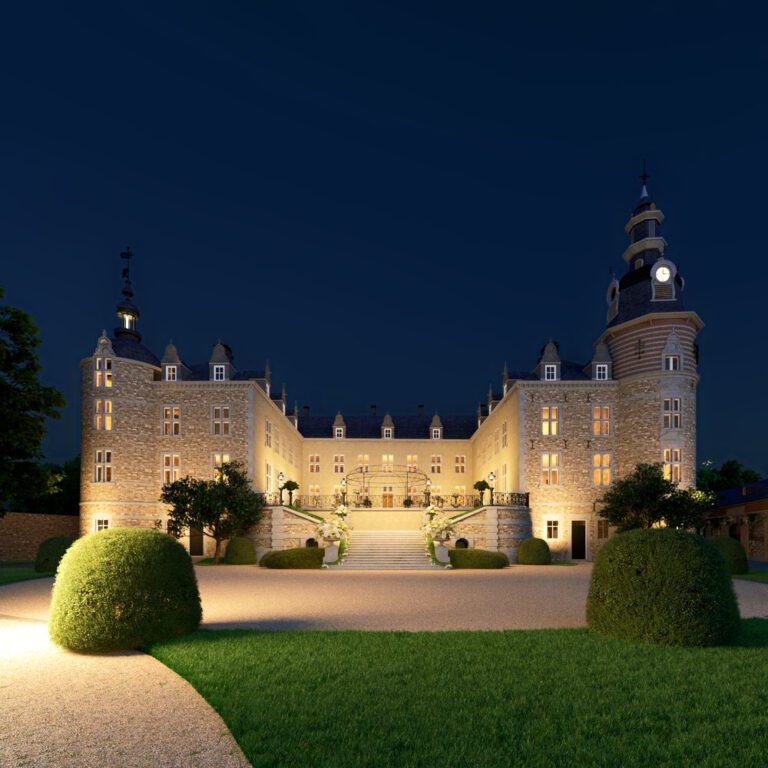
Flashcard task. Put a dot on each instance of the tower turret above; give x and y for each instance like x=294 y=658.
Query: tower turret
x=127 y=311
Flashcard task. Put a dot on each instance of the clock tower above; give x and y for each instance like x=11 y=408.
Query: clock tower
x=651 y=337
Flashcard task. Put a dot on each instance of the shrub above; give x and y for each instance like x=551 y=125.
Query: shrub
x=240 y=551
x=477 y=558
x=734 y=554
x=534 y=552
x=302 y=557
x=662 y=586
x=123 y=588
x=50 y=552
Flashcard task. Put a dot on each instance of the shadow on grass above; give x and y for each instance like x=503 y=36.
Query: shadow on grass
x=754 y=633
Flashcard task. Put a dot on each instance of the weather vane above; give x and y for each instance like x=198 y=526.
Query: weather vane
x=644 y=176
x=127 y=255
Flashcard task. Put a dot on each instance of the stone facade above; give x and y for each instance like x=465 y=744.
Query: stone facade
x=21 y=533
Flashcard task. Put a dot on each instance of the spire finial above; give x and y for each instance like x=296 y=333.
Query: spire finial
x=127 y=254
x=644 y=176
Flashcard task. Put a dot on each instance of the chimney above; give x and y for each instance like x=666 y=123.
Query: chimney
x=306 y=411
x=373 y=410
x=421 y=409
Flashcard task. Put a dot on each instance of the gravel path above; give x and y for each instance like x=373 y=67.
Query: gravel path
x=127 y=710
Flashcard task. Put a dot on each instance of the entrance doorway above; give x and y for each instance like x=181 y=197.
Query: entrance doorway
x=387 y=497
x=195 y=541
x=578 y=540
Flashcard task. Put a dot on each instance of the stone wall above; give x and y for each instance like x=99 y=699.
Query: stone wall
x=22 y=533
x=495 y=528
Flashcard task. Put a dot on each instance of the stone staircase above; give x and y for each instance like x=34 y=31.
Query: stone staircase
x=386 y=550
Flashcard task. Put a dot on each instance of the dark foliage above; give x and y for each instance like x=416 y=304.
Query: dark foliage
x=50 y=552
x=302 y=557
x=477 y=558
x=733 y=553
x=534 y=552
x=240 y=551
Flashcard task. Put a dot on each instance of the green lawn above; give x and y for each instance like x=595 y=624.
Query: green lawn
x=10 y=575
x=480 y=699
x=754 y=576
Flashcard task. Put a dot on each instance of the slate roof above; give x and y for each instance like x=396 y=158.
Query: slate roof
x=569 y=371
x=735 y=496
x=406 y=427
x=636 y=292
x=125 y=346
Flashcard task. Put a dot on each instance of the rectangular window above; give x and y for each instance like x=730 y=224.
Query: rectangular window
x=277 y=440
x=102 y=417
x=218 y=460
x=100 y=524
x=553 y=529
x=436 y=464
x=338 y=432
x=550 y=468
x=103 y=373
x=103 y=467
x=338 y=464
x=601 y=420
x=218 y=372
x=172 y=420
x=601 y=371
x=550 y=373
x=436 y=433
x=460 y=464
x=314 y=490
x=672 y=464
x=268 y=477
x=363 y=461
x=268 y=433
x=504 y=478
x=171 y=467
x=220 y=420
x=672 y=413
x=671 y=362
x=412 y=462
x=504 y=435
x=602 y=529
x=171 y=372
x=387 y=462
x=601 y=469
x=549 y=419
x=387 y=433
x=496 y=441
x=314 y=463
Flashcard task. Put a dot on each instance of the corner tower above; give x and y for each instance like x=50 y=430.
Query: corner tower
x=651 y=337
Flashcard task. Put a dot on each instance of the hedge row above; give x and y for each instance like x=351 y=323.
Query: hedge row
x=302 y=557
x=477 y=558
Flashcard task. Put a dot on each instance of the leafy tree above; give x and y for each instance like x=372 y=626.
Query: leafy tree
x=220 y=508
x=481 y=486
x=60 y=494
x=25 y=404
x=730 y=474
x=645 y=498
x=290 y=486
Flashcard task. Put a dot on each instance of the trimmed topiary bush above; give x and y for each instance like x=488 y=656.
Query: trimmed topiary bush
x=240 y=551
x=477 y=558
x=123 y=588
x=662 y=586
x=733 y=552
x=302 y=557
x=534 y=552
x=50 y=552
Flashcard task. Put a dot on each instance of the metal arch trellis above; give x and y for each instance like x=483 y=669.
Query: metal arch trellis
x=362 y=479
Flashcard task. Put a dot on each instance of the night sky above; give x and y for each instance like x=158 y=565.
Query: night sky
x=386 y=200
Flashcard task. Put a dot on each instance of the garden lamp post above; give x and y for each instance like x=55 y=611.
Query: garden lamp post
x=427 y=491
x=491 y=478
x=280 y=481
x=344 y=491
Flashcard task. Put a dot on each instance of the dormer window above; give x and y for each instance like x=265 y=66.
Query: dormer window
x=103 y=373
x=386 y=433
x=338 y=432
x=267 y=389
x=219 y=373
x=638 y=263
x=171 y=372
x=550 y=373
x=601 y=371
x=437 y=433
x=671 y=362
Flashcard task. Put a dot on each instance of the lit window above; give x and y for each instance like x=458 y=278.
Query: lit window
x=103 y=373
x=277 y=440
x=219 y=372
x=363 y=461
x=314 y=463
x=103 y=467
x=553 y=529
x=672 y=413
x=268 y=477
x=171 y=372
x=602 y=529
x=338 y=464
x=671 y=362
x=436 y=465
x=220 y=423
x=171 y=467
x=338 y=432
x=268 y=433
x=100 y=524
x=172 y=420
x=412 y=462
x=638 y=263
x=672 y=464
x=460 y=465
x=504 y=478
x=496 y=441
x=601 y=371
x=386 y=433
x=387 y=462
x=601 y=420
x=550 y=373
x=601 y=469
x=550 y=468
x=102 y=417
x=218 y=460
x=549 y=419
x=436 y=433
x=504 y=435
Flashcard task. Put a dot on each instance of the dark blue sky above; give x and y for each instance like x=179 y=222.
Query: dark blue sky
x=386 y=200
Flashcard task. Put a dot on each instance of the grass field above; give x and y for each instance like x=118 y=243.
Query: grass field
x=10 y=575
x=754 y=576
x=480 y=699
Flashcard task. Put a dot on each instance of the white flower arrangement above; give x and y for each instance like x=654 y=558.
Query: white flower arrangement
x=432 y=510
x=439 y=526
x=341 y=511
x=334 y=529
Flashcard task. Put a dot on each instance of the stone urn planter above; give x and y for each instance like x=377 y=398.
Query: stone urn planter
x=441 y=551
x=331 y=550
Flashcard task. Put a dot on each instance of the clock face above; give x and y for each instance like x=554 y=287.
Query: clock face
x=663 y=274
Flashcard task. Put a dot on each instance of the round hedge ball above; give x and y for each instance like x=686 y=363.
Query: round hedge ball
x=534 y=552
x=734 y=554
x=240 y=551
x=123 y=588
x=50 y=552
x=663 y=586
